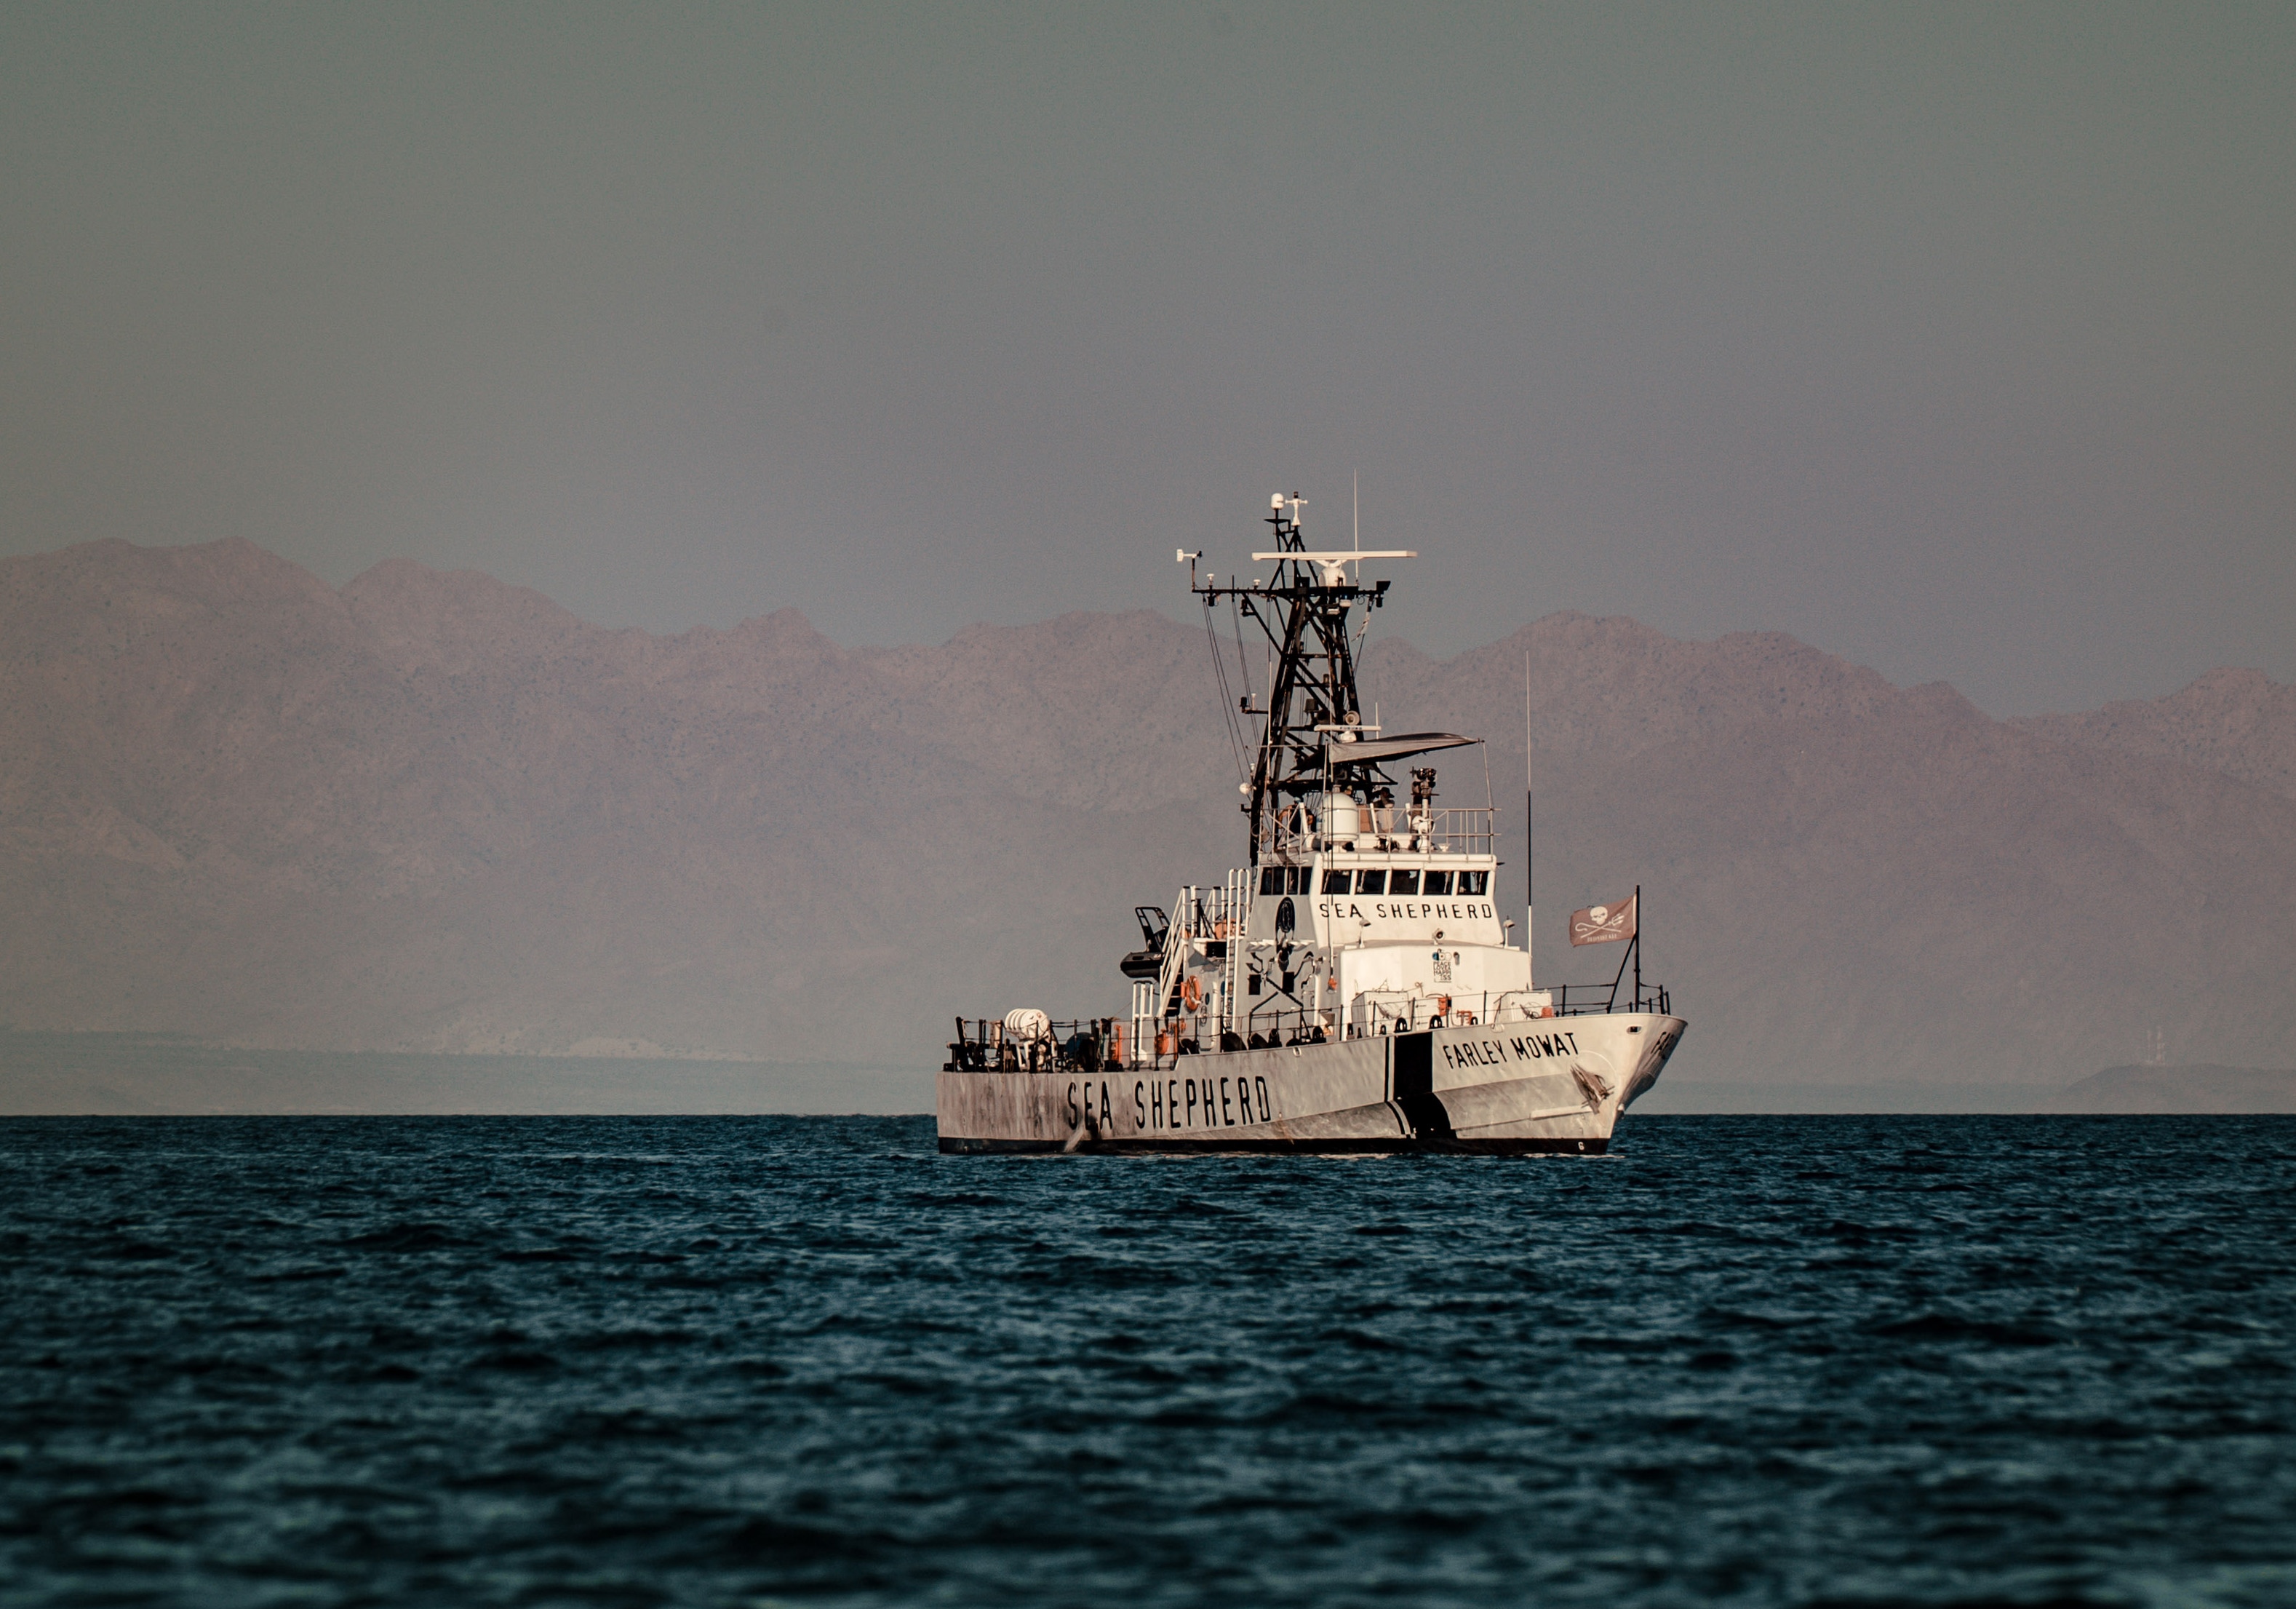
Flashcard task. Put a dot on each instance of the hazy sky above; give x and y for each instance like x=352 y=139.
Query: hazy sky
x=1959 y=341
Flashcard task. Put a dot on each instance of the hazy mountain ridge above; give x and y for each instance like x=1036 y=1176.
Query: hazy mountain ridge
x=2181 y=1091
x=435 y=811
x=1615 y=686
x=2239 y=722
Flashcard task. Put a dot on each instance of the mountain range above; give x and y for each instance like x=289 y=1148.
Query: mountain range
x=431 y=811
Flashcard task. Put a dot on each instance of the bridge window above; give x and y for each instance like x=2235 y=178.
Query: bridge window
x=1439 y=883
x=1403 y=881
x=1335 y=882
x=1371 y=882
x=1271 y=880
x=1474 y=883
x=1300 y=880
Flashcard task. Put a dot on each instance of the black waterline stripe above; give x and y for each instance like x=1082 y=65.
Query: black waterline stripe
x=1445 y=1144
x=1411 y=1061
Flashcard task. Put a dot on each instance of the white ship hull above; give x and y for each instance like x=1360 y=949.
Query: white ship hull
x=1354 y=987
x=1555 y=1085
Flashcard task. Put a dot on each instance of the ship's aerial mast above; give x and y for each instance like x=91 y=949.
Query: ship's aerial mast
x=1314 y=715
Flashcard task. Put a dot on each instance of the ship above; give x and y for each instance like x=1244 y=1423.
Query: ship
x=1354 y=988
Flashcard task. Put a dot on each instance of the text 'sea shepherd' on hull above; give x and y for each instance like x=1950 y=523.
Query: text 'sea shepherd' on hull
x=1354 y=988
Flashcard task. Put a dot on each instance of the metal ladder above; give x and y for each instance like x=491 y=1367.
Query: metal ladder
x=1238 y=896
x=1232 y=909
x=1176 y=935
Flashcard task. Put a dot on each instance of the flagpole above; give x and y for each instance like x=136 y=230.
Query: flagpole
x=1529 y=874
x=1638 y=947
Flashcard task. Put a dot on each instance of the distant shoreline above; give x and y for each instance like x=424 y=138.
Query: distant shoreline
x=97 y=1074
x=130 y=1074
x=2126 y=1091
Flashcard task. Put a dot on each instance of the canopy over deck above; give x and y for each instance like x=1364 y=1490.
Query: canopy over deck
x=1371 y=750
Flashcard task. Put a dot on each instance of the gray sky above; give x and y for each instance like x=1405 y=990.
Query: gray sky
x=1959 y=341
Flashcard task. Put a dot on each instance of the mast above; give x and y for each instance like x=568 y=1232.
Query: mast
x=1313 y=713
x=1530 y=865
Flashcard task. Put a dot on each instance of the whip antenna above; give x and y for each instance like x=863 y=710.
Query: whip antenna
x=1530 y=877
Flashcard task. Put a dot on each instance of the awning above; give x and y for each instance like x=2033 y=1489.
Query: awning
x=1372 y=750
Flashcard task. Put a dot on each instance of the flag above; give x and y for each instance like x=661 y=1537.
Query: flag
x=1604 y=923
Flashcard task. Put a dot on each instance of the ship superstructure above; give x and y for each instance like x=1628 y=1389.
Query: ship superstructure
x=1356 y=986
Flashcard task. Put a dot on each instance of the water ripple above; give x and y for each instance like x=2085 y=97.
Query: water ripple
x=1810 y=1361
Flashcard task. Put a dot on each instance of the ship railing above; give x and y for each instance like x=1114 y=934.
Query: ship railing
x=1376 y=1014
x=1274 y=1027
x=1107 y=1044
x=983 y=1045
x=1083 y=1045
x=1600 y=999
x=1295 y=834
x=1213 y=914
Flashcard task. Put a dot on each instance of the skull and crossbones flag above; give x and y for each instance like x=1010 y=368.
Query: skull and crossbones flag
x=1604 y=923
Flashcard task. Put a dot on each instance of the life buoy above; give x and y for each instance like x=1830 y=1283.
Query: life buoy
x=1192 y=995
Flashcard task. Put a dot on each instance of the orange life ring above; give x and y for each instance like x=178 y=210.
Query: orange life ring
x=1192 y=995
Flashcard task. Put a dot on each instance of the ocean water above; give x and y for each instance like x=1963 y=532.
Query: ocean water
x=741 y=1361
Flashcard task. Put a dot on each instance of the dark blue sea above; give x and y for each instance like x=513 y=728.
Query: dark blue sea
x=714 y=1361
